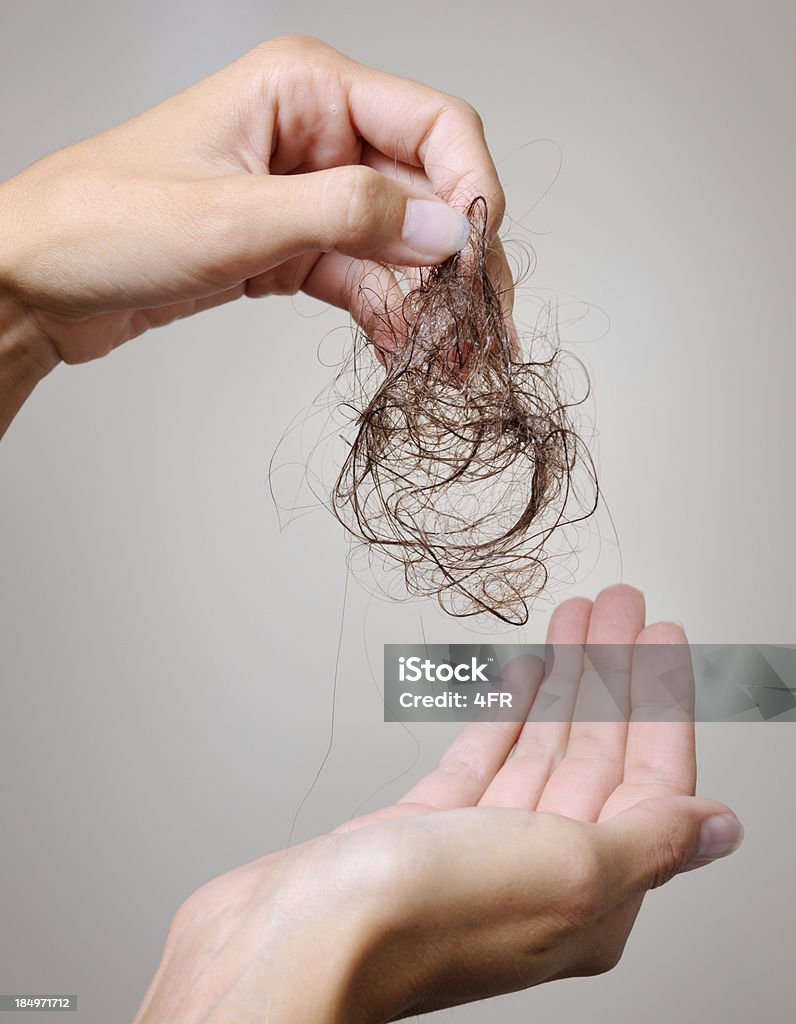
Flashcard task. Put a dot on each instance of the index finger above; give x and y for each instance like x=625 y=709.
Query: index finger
x=467 y=767
x=421 y=127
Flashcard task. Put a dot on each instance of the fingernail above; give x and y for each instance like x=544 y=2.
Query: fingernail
x=719 y=836
x=434 y=229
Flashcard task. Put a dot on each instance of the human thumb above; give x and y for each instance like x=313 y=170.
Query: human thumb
x=656 y=839
x=355 y=210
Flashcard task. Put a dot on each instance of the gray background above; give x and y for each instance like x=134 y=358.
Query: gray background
x=167 y=654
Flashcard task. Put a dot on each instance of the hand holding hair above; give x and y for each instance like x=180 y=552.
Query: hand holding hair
x=295 y=168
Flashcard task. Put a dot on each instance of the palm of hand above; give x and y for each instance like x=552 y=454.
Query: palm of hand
x=586 y=770
x=563 y=772
x=521 y=859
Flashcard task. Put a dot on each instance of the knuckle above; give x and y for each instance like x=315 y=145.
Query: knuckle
x=290 y=61
x=294 y=44
x=286 y=279
x=534 y=760
x=282 y=284
x=461 y=768
x=556 y=683
x=670 y=854
x=356 y=192
x=467 y=111
x=469 y=120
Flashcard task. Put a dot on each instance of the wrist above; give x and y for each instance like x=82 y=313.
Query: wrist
x=328 y=924
x=281 y=940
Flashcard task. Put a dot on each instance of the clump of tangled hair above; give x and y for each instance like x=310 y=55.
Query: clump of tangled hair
x=463 y=453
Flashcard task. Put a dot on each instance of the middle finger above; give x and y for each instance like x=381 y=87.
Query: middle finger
x=593 y=764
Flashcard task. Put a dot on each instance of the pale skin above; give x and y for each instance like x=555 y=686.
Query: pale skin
x=525 y=856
